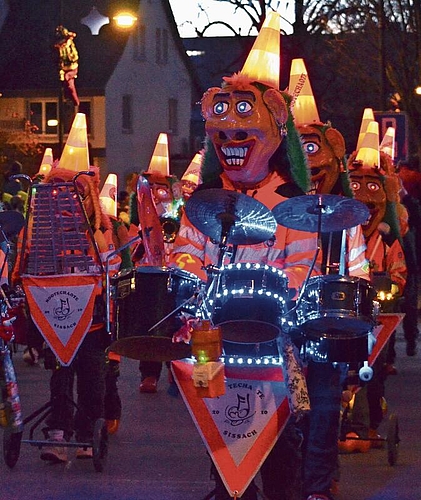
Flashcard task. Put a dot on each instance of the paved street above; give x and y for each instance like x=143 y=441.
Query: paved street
x=158 y=453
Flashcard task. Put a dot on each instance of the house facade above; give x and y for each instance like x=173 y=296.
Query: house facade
x=150 y=91
x=132 y=85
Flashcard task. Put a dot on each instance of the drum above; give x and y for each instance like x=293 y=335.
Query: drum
x=249 y=302
x=145 y=295
x=336 y=306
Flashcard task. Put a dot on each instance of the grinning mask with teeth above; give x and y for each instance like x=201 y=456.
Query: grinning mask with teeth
x=244 y=123
x=325 y=148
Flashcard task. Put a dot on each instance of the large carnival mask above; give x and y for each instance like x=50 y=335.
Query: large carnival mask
x=324 y=147
x=368 y=188
x=161 y=190
x=244 y=125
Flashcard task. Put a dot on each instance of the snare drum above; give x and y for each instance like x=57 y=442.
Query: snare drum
x=249 y=302
x=337 y=306
x=145 y=295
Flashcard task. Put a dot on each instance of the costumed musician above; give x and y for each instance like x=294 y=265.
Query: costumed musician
x=375 y=183
x=325 y=149
x=89 y=361
x=158 y=206
x=248 y=130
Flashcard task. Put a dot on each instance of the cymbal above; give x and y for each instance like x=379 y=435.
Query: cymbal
x=337 y=212
x=11 y=222
x=150 y=348
x=216 y=212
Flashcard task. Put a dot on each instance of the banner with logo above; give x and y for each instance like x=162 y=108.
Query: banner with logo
x=62 y=309
x=388 y=322
x=240 y=428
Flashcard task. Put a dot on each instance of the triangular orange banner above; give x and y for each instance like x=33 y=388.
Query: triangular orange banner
x=240 y=428
x=388 y=323
x=62 y=308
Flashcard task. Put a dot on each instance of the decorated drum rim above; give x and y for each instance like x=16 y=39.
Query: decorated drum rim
x=157 y=270
x=224 y=291
x=253 y=266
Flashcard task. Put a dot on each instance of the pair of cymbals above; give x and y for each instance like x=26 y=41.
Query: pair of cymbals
x=220 y=213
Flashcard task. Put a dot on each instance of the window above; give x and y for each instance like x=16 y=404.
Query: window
x=165 y=46
x=161 y=46
x=44 y=115
x=127 y=114
x=158 y=45
x=173 y=116
x=139 y=40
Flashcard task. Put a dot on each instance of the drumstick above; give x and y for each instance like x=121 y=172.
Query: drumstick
x=384 y=229
x=4 y=296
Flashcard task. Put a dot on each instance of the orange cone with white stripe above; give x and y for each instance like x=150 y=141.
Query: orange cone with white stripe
x=368 y=153
x=388 y=143
x=192 y=173
x=368 y=116
x=108 y=195
x=47 y=162
x=263 y=62
x=75 y=154
x=159 y=163
x=303 y=103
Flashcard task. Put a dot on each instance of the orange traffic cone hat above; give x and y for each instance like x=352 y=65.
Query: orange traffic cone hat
x=108 y=195
x=368 y=153
x=192 y=173
x=303 y=104
x=159 y=163
x=263 y=62
x=368 y=116
x=47 y=162
x=387 y=145
x=75 y=154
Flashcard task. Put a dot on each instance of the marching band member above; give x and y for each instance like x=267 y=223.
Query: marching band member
x=375 y=183
x=160 y=207
x=249 y=129
x=325 y=148
x=89 y=361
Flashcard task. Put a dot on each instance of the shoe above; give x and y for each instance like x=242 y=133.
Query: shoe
x=55 y=454
x=411 y=348
x=31 y=356
x=376 y=440
x=334 y=487
x=112 y=425
x=148 y=385
x=84 y=453
x=353 y=444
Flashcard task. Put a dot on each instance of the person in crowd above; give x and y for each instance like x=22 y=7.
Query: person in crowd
x=325 y=149
x=11 y=186
x=252 y=147
x=89 y=364
x=375 y=183
x=159 y=210
x=410 y=195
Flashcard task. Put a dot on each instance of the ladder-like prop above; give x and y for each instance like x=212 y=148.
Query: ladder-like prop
x=59 y=232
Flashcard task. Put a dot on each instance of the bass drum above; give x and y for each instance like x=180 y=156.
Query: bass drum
x=336 y=306
x=143 y=297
